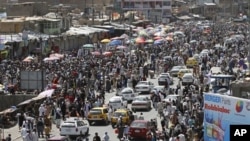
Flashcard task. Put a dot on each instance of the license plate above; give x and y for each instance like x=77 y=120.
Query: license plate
x=67 y=130
x=137 y=131
x=95 y=117
x=126 y=96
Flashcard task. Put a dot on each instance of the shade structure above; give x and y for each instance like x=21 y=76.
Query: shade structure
x=57 y=55
x=116 y=38
x=139 y=40
x=121 y=47
x=105 y=41
x=115 y=43
x=51 y=58
x=96 y=53
x=47 y=93
x=88 y=46
x=28 y=59
x=107 y=53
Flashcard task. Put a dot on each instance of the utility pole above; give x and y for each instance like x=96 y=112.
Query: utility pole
x=93 y=13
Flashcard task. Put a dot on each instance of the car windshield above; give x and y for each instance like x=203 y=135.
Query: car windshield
x=118 y=114
x=116 y=100
x=142 y=83
x=140 y=98
x=138 y=125
x=127 y=92
x=95 y=111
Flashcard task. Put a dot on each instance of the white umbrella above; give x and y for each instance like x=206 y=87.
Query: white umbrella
x=52 y=58
x=47 y=93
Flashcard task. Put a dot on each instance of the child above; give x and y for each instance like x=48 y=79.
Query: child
x=47 y=131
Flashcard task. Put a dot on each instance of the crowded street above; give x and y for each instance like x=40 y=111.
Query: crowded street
x=146 y=84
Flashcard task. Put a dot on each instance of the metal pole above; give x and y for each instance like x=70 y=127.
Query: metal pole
x=93 y=13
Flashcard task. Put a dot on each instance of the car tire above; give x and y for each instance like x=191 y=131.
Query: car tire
x=87 y=132
x=90 y=122
x=113 y=126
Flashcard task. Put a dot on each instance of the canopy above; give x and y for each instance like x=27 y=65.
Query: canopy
x=57 y=55
x=96 y=53
x=88 y=46
x=121 y=47
x=115 y=43
x=107 y=53
x=47 y=93
x=139 y=40
x=105 y=41
x=28 y=59
x=51 y=58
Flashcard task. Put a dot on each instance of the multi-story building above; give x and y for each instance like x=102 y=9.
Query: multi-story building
x=158 y=11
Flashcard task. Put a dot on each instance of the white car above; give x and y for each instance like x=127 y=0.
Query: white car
x=159 y=88
x=117 y=102
x=172 y=97
x=74 y=127
x=141 y=102
x=144 y=86
x=187 y=79
x=163 y=77
x=128 y=94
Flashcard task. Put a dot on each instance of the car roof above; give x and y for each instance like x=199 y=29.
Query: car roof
x=121 y=110
x=115 y=97
x=141 y=121
x=188 y=74
x=159 y=86
x=126 y=89
x=57 y=138
x=100 y=108
x=143 y=81
x=141 y=96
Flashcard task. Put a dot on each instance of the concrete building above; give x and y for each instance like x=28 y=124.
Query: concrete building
x=155 y=10
x=26 y=9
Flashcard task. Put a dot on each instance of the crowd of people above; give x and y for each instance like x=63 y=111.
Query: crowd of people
x=84 y=80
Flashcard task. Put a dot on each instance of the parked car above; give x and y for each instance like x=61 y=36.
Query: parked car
x=174 y=71
x=74 y=127
x=163 y=77
x=182 y=72
x=128 y=94
x=125 y=114
x=187 y=79
x=141 y=102
x=98 y=114
x=117 y=102
x=139 y=129
x=144 y=86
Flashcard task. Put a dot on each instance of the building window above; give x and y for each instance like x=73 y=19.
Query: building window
x=166 y=3
x=46 y=24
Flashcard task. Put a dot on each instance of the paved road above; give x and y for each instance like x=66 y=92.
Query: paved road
x=101 y=129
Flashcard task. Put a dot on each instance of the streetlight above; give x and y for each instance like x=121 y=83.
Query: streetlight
x=93 y=13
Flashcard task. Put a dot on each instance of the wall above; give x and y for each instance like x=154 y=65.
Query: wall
x=27 y=9
x=76 y=3
x=6 y=101
x=20 y=9
x=11 y=27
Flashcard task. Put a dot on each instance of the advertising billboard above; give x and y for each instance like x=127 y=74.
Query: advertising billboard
x=221 y=111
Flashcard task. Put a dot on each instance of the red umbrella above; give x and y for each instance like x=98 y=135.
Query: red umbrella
x=96 y=53
x=139 y=40
x=121 y=47
x=107 y=53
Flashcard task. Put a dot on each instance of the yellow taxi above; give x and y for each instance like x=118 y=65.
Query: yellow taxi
x=182 y=72
x=98 y=114
x=124 y=113
x=191 y=62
